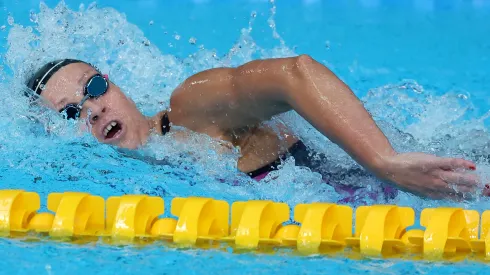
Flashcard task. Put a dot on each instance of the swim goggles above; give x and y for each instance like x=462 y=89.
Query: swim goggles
x=96 y=86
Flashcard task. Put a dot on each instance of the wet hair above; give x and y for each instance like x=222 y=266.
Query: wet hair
x=38 y=80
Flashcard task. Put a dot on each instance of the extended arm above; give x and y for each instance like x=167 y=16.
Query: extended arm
x=258 y=90
x=331 y=107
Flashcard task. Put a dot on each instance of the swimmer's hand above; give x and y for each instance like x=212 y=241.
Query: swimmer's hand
x=430 y=176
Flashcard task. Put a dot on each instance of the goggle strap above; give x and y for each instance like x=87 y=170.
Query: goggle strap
x=41 y=82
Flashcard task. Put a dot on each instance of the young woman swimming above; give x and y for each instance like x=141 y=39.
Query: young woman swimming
x=232 y=104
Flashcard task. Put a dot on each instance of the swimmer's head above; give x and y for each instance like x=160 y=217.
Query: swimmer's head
x=79 y=91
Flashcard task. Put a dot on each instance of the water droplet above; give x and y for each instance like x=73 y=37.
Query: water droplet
x=192 y=40
x=3 y=27
x=327 y=44
x=177 y=37
x=462 y=96
x=92 y=6
x=10 y=20
x=33 y=17
x=151 y=23
x=254 y=14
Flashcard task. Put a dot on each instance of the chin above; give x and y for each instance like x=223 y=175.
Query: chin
x=131 y=145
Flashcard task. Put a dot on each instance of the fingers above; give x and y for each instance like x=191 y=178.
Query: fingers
x=445 y=189
x=462 y=185
x=454 y=163
x=440 y=190
x=486 y=190
x=459 y=179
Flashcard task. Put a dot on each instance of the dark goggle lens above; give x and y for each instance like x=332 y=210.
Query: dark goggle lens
x=97 y=86
x=71 y=111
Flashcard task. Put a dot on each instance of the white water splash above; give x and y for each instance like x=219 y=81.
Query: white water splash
x=412 y=118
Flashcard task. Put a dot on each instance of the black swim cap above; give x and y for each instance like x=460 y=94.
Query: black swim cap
x=41 y=77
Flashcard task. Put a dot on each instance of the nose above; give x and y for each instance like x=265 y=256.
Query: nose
x=95 y=109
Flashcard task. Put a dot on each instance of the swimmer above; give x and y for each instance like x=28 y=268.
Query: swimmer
x=233 y=104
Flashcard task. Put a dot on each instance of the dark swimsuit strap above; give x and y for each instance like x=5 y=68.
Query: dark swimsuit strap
x=165 y=124
x=299 y=146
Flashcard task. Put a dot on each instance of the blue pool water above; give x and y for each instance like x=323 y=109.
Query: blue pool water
x=420 y=66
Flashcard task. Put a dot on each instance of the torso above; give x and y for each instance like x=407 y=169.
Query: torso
x=259 y=145
x=262 y=145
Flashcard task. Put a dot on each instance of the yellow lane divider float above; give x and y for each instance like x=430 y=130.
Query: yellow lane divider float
x=380 y=230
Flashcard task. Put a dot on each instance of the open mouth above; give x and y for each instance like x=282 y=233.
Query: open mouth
x=112 y=129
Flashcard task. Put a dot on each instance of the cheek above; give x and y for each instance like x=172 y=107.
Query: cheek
x=85 y=127
x=118 y=102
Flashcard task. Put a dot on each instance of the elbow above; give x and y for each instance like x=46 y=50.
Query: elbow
x=309 y=74
x=301 y=67
x=306 y=65
x=308 y=70
x=297 y=76
x=304 y=62
x=304 y=59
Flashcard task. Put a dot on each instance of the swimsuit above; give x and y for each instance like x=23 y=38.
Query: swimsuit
x=165 y=124
x=316 y=163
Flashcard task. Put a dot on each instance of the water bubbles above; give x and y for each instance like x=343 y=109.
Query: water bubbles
x=92 y=6
x=10 y=20
x=192 y=41
x=48 y=268
x=254 y=14
x=177 y=37
x=272 y=24
x=79 y=92
x=150 y=23
x=3 y=27
x=146 y=42
x=33 y=17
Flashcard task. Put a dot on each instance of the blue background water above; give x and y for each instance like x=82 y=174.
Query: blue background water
x=420 y=66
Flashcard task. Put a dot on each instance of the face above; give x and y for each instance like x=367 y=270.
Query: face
x=112 y=118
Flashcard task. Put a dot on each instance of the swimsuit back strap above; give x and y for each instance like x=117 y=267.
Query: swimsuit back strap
x=165 y=124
